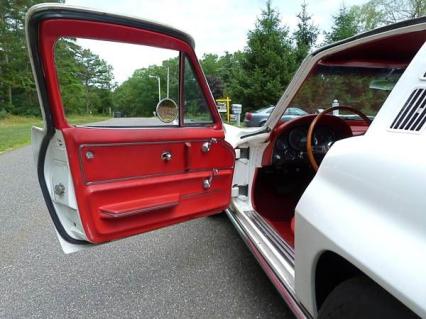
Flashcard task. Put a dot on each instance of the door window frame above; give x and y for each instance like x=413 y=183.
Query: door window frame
x=50 y=31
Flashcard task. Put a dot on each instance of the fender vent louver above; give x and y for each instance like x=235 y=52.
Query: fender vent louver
x=412 y=116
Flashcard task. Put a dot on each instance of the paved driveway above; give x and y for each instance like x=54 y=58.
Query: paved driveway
x=199 y=269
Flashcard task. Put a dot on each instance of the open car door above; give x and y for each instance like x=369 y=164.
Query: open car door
x=128 y=175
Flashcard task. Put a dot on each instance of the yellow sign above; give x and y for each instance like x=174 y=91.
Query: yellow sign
x=227 y=102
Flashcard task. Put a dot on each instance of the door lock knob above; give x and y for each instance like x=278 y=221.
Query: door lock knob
x=166 y=156
x=207 y=183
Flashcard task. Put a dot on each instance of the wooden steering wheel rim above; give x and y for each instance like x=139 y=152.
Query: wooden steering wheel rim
x=310 y=134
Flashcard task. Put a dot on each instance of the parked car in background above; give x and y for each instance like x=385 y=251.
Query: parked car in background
x=259 y=117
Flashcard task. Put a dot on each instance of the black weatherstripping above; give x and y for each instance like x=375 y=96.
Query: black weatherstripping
x=394 y=26
x=94 y=16
x=33 y=36
x=60 y=12
x=57 y=12
x=265 y=130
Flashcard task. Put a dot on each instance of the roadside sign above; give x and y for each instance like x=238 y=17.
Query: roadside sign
x=227 y=102
x=221 y=107
x=237 y=108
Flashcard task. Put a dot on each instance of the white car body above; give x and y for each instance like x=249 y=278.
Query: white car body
x=365 y=205
x=375 y=219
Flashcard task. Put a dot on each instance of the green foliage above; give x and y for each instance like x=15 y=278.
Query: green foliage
x=367 y=16
x=15 y=130
x=17 y=92
x=213 y=68
x=86 y=81
x=3 y=114
x=254 y=77
x=138 y=95
x=268 y=62
x=344 y=26
x=72 y=89
x=305 y=35
x=83 y=75
x=376 y=13
x=349 y=86
x=223 y=72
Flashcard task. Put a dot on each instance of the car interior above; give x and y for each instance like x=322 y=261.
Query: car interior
x=360 y=78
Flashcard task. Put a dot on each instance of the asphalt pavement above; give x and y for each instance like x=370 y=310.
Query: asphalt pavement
x=199 y=269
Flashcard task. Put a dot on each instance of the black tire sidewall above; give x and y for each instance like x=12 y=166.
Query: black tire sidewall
x=361 y=298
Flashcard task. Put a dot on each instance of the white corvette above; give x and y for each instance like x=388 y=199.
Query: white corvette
x=332 y=204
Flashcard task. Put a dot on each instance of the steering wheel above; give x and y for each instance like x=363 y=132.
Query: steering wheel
x=309 y=137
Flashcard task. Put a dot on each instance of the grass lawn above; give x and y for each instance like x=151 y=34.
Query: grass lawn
x=15 y=131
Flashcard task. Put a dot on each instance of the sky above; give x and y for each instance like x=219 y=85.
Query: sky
x=216 y=25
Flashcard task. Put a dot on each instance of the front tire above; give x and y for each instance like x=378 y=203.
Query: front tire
x=361 y=298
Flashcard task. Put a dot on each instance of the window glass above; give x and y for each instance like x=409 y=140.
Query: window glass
x=263 y=109
x=295 y=111
x=196 y=110
x=115 y=84
x=362 y=88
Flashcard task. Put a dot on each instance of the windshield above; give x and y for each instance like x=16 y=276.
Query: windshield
x=295 y=111
x=362 y=88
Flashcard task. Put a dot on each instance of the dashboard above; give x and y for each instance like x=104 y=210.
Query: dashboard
x=290 y=144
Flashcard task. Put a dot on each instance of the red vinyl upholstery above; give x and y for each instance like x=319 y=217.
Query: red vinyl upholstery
x=126 y=188
x=293 y=224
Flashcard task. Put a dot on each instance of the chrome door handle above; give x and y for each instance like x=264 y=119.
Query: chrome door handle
x=166 y=156
x=206 y=146
x=207 y=182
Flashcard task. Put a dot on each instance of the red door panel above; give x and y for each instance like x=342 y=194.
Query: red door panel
x=151 y=203
x=123 y=186
x=109 y=162
x=126 y=188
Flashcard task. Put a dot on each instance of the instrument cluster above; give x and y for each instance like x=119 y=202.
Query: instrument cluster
x=291 y=146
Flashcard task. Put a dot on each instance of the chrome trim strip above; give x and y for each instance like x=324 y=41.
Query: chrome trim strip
x=110 y=214
x=274 y=237
x=92 y=146
x=131 y=178
x=278 y=268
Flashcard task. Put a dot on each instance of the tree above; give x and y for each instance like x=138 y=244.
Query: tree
x=216 y=86
x=83 y=75
x=230 y=71
x=17 y=91
x=211 y=64
x=212 y=67
x=344 y=26
x=138 y=95
x=96 y=76
x=376 y=13
x=72 y=89
x=305 y=35
x=86 y=81
x=268 y=62
x=367 y=16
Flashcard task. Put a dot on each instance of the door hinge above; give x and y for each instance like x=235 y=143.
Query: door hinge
x=244 y=153
x=239 y=190
x=59 y=189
